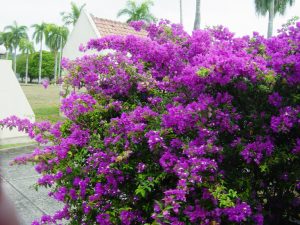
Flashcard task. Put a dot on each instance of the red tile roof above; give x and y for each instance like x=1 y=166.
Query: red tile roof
x=110 y=27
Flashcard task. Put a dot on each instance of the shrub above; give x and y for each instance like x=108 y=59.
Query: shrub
x=176 y=129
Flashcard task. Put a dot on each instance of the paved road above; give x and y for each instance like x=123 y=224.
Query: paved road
x=18 y=184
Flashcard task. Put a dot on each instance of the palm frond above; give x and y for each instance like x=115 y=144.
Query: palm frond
x=124 y=12
x=138 y=11
x=72 y=17
x=280 y=6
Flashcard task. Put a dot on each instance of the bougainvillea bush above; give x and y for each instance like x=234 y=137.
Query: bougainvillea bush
x=176 y=129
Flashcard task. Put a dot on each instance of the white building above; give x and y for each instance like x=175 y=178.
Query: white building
x=13 y=102
x=90 y=27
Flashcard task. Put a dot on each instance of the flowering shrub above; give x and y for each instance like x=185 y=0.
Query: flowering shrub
x=176 y=129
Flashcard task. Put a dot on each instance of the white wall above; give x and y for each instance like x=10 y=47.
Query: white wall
x=83 y=31
x=12 y=102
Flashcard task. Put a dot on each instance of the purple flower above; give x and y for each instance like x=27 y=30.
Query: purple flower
x=275 y=99
x=259 y=219
x=154 y=139
x=130 y=217
x=60 y=194
x=256 y=151
x=103 y=219
x=77 y=104
x=168 y=161
x=141 y=167
x=137 y=25
x=195 y=213
x=45 y=83
x=285 y=121
x=238 y=213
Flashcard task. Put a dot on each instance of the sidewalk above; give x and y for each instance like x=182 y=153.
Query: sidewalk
x=18 y=184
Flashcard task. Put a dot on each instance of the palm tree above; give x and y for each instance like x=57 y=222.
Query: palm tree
x=39 y=35
x=197 y=15
x=72 y=17
x=64 y=32
x=272 y=7
x=27 y=48
x=56 y=39
x=6 y=40
x=180 y=5
x=137 y=12
x=15 y=34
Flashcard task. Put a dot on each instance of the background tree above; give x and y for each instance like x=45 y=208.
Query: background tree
x=197 y=15
x=6 y=40
x=1 y=38
x=21 y=66
x=39 y=35
x=72 y=17
x=15 y=34
x=26 y=48
x=47 y=65
x=64 y=32
x=272 y=7
x=138 y=11
x=56 y=39
x=53 y=43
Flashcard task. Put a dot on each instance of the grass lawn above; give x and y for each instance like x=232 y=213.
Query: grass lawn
x=44 y=102
x=15 y=145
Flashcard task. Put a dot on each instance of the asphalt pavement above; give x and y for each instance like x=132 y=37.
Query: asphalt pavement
x=18 y=182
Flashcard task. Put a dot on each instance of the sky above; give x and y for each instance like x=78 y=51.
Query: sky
x=238 y=15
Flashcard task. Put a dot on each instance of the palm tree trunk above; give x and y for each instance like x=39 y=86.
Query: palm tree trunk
x=59 y=75
x=181 y=19
x=197 y=15
x=60 y=56
x=15 y=60
x=40 y=61
x=271 y=18
x=7 y=52
x=26 y=73
x=55 y=67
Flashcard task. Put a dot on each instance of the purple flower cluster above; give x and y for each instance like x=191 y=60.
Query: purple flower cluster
x=255 y=151
x=238 y=213
x=288 y=118
x=76 y=104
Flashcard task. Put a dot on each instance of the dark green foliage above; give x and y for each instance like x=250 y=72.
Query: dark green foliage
x=47 y=65
x=33 y=71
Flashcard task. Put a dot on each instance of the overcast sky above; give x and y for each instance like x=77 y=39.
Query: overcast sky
x=238 y=15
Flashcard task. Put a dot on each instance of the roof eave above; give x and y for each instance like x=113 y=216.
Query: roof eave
x=92 y=22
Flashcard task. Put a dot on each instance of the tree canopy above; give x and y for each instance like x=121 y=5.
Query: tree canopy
x=33 y=69
x=136 y=12
x=262 y=6
x=15 y=33
x=72 y=17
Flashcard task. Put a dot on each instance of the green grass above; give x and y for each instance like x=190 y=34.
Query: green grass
x=44 y=102
x=15 y=145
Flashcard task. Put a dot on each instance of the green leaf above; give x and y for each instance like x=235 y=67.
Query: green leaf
x=203 y=72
